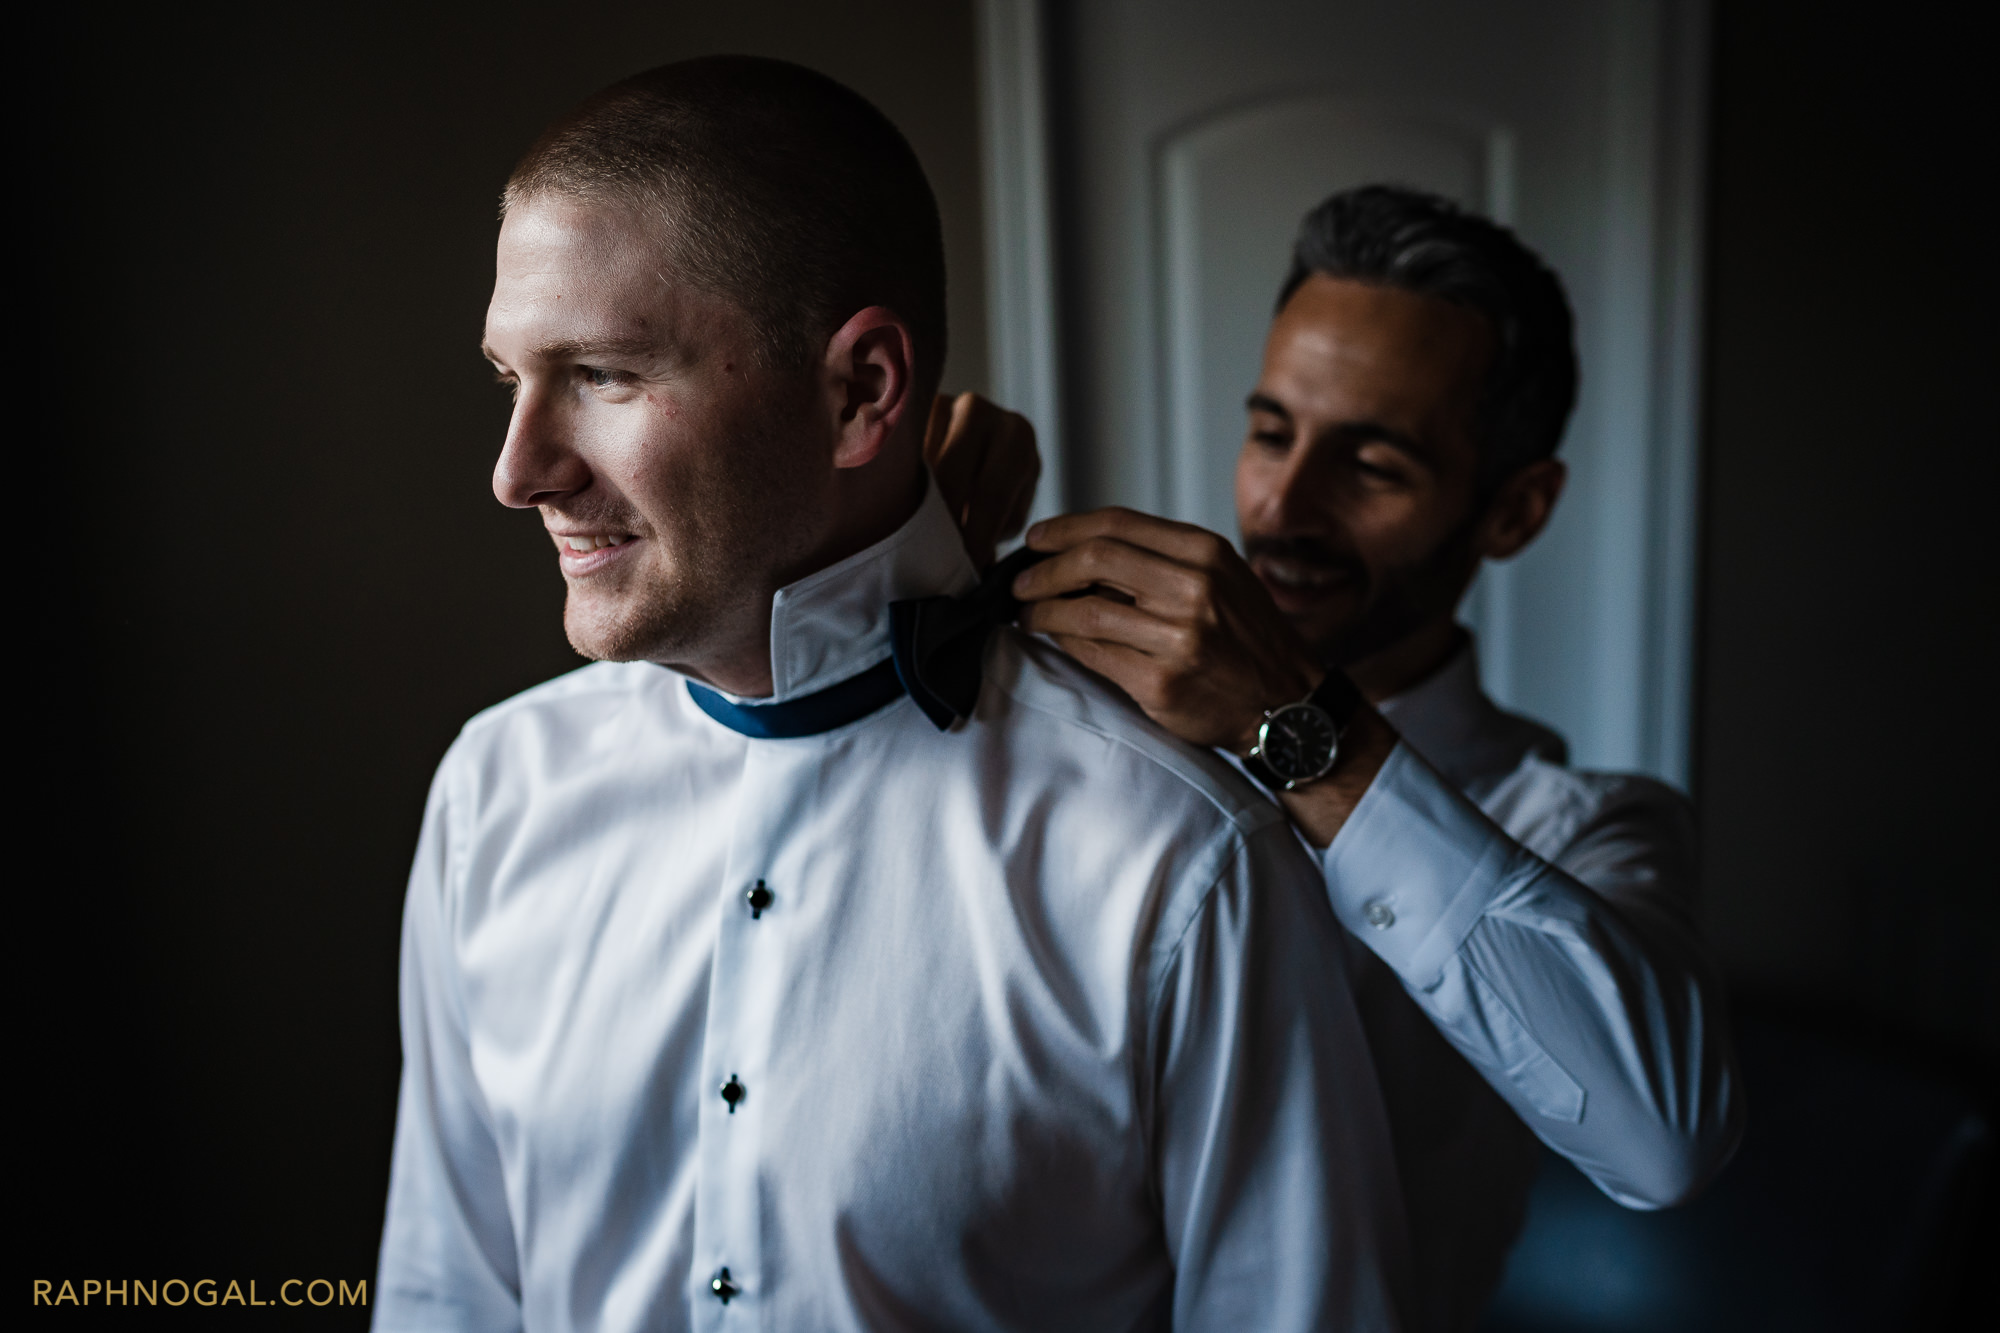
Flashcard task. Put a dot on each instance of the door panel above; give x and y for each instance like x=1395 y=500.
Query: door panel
x=1233 y=187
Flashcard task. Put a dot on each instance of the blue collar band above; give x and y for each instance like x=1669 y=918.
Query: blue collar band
x=835 y=706
x=936 y=646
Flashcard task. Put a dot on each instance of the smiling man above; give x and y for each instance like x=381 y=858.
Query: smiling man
x=817 y=959
x=1522 y=933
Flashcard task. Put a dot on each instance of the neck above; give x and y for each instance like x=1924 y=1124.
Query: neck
x=1408 y=661
x=869 y=504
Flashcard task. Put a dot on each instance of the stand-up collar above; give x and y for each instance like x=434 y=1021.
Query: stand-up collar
x=1448 y=720
x=834 y=624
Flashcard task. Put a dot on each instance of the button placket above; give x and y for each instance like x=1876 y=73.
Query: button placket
x=745 y=989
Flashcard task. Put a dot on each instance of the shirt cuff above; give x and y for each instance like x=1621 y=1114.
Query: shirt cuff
x=1415 y=867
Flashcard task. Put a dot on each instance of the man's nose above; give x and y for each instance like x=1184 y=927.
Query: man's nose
x=538 y=464
x=1292 y=496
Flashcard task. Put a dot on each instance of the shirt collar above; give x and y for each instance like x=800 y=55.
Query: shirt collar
x=1448 y=720
x=833 y=624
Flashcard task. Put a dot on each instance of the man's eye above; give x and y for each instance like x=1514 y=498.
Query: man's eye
x=1381 y=465
x=1272 y=439
x=600 y=378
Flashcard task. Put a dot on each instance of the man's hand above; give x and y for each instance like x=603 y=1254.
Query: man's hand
x=1191 y=634
x=1173 y=616
x=986 y=465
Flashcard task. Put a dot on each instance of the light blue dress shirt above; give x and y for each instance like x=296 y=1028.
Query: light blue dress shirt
x=1044 y=1024
x=1531 y=970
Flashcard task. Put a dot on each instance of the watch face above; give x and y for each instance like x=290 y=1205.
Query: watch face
x=1297 y=742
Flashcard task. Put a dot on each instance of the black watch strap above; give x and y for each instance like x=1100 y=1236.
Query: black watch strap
x=1261 y=771
x=1335 y=696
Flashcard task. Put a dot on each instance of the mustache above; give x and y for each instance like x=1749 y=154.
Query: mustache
x=604 y=516
x=1305 y=550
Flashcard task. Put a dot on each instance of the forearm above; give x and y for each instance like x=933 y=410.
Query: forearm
x=1320 y=809
x=1607 y=1038
x=1600 y=1022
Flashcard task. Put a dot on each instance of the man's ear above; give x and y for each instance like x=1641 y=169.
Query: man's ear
x=869 y=378
x=1520 y=509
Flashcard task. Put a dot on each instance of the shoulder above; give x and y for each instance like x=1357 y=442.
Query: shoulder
x=575 y=692
x=1075 y=709
x=1173 y=831
x=579 y=711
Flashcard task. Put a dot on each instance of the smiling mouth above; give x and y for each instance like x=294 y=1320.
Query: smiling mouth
x=584 y=554
x=1299 y=576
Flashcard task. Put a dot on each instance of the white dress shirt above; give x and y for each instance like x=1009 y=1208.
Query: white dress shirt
x=1532 y=970
x=1014 y=1042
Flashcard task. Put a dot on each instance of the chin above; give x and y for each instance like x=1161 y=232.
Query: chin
x=620 y=633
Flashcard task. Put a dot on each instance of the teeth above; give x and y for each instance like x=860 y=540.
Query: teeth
x=1294 y=575
x=593 y=543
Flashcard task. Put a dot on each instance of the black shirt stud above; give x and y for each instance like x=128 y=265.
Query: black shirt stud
x=732 y=1092
x=722 y=1286
x=759 y=898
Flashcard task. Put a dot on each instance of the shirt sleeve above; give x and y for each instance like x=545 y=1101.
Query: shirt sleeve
x=1578 y=987
x=1272 y=1154
x=448 y=1249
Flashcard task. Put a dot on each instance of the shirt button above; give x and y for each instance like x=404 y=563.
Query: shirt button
x=1378 y=915
x=722 y=1287
x=759 y=898
x=733 y=1092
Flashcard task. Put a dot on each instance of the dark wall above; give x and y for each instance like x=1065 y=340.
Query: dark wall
x=280 y=583
x=1849 y=601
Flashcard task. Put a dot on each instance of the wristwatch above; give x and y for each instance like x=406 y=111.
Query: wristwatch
x=1297 y=743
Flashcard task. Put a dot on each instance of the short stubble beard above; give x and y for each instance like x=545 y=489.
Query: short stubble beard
x=1403 y=599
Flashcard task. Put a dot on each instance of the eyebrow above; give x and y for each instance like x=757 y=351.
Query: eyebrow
x=1355 y=432
x=585 y=349
x=1262 y=402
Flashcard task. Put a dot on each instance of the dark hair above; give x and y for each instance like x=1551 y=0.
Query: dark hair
x=775 y=187
x=1420 y=243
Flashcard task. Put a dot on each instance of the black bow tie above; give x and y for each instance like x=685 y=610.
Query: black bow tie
x=939 y=641
x=936 y=646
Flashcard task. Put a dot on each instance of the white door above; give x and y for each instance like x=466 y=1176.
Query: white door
x=1148 y=161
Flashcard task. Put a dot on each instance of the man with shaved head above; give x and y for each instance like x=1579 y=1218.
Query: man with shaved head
x=825 y=957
